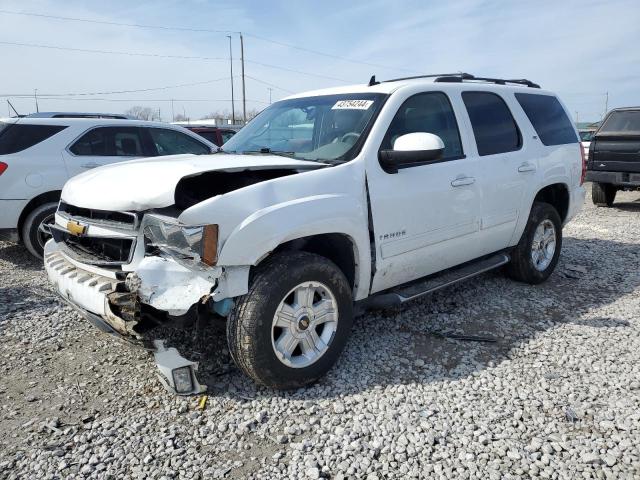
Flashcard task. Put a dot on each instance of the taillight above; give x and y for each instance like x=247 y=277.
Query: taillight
x=584 y=163
x=3 y=167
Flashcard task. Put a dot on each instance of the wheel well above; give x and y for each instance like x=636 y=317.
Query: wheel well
x=556 y=195
x=36 y=202
x=333 y=246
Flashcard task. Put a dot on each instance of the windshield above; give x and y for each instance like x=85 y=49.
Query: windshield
x=586 y=135
x=325 y=128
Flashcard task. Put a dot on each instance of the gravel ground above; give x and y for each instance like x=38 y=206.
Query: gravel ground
x=554 y=394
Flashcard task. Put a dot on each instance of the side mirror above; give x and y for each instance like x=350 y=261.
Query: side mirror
x=411 y=150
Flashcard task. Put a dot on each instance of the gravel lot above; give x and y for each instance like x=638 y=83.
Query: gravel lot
x=555 y=394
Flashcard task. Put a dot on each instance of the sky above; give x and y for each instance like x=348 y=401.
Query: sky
x=580 y=49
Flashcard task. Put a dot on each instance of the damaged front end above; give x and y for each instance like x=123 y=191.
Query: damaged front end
x=168 y=279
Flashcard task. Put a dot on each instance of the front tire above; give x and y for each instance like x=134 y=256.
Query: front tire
x=603 y=194
x=33 y=235
x=536 y=255
x=293 y=323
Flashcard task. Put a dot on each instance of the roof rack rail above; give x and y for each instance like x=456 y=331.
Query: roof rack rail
x=459 y=78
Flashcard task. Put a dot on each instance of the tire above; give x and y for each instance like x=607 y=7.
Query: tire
x=603 y=194
x=523 y=266
x=32 y=237
x=254 y=339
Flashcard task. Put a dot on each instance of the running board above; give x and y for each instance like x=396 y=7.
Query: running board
x=435 y=282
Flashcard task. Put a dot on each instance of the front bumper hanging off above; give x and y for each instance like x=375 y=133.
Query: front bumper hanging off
x=103 y=298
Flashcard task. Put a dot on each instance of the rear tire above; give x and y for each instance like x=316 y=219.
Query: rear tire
x=603 y=194
x=536 y=255
x=32 y=235
x=260 y=333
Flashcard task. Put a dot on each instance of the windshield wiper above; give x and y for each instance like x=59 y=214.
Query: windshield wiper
x=268 y=151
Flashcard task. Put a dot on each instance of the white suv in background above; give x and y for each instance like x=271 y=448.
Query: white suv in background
x=39 y=154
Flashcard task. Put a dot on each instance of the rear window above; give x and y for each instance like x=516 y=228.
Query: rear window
x=548 y=118
x=622 y=122
x=17 y=137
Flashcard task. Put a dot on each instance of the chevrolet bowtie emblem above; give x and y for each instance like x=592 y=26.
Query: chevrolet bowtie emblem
x=75 y=228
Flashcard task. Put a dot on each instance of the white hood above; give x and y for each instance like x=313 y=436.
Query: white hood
x=150 y=182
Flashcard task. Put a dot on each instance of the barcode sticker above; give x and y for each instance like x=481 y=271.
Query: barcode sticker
x=352 y=105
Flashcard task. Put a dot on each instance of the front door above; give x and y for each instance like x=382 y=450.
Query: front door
x=425 y=218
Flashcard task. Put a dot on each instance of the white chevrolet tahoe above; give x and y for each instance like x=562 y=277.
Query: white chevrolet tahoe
x=367 y=195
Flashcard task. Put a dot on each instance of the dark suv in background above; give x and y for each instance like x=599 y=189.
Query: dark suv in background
x=614 y=155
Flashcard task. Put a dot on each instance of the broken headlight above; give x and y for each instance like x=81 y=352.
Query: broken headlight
x=187 y=245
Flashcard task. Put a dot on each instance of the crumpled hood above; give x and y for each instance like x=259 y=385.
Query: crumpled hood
x=150 y=183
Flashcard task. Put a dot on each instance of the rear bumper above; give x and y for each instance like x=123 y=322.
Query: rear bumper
x=620 y=179
x=576 y=201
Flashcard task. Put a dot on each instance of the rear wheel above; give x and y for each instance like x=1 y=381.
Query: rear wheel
x=536 y=255
x=34 y=233
x=603 y=194
x=291 y=326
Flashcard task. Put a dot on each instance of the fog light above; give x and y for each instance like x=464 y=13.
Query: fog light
x=182 y=379
x=177 y=374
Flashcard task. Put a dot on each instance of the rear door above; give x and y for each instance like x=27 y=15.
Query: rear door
x=104 y=145
x=504 y=167
x=616 y=145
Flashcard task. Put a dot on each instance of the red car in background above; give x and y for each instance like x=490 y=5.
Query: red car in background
x=216 y=135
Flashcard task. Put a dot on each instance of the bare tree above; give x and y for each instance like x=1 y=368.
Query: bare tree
x=143 y=113
x=180 y=118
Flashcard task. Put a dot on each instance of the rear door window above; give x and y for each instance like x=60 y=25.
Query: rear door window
x=171 y=142
x=494 y=128
x=622 y=121
x=17 y=137
x=548 y=118
x=110 y=142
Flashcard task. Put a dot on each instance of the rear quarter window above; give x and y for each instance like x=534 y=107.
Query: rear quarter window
x=17 y=137
x=548 y=118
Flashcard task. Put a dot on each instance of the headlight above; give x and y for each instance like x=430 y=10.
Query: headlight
x=187 y=245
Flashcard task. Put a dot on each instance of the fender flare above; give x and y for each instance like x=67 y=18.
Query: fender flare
x=263 y=231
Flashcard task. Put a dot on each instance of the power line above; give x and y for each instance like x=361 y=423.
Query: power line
x=108 y=52
x=207 y=30
x=269 y=84
x=81 y=99
x=157 y=55
x=116 y=92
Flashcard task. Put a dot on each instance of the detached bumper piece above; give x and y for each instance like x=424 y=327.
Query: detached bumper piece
x=177 y=374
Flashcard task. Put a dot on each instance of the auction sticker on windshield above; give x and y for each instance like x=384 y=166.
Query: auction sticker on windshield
x=352 y=105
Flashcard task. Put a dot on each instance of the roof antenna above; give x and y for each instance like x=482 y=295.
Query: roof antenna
x=372 y=81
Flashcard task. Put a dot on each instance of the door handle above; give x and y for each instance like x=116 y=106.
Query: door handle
x=527 y=167
x=462 y=181
x=90 y=165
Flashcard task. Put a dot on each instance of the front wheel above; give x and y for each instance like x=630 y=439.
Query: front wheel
x=294 y=322
x=536 y=255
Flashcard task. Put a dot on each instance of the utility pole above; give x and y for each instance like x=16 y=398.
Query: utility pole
x=35 y=96
x=233 y=110
x=606 y=103
x=173 y=115
x=244 y=98
x=270 y=90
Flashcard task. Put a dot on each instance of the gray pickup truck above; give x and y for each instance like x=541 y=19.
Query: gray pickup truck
x=614 y=156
